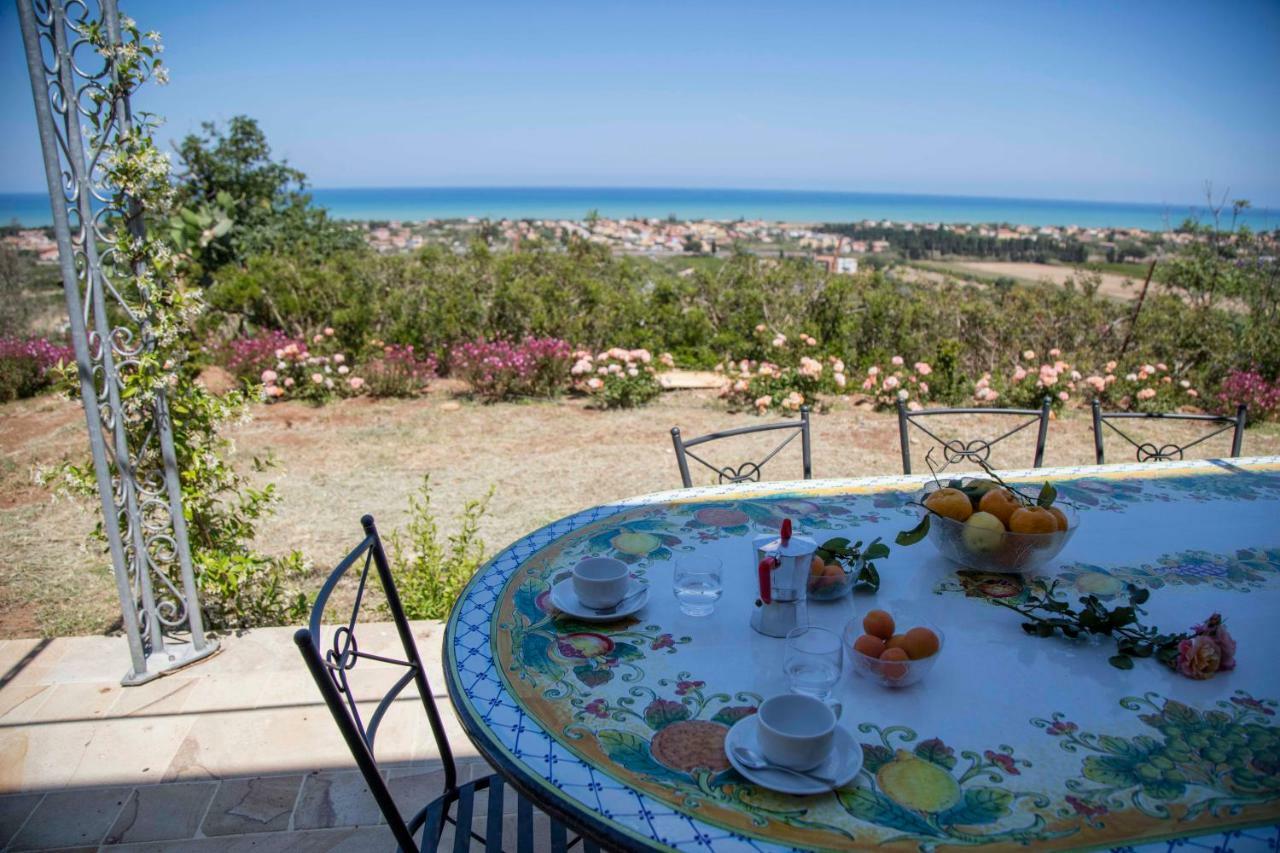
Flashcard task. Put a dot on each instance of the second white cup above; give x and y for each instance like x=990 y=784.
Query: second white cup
x=796 y=731
x=601 y=582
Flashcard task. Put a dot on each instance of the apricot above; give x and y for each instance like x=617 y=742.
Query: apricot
x=951 y=503
x=833 y=574
x=920 y=643
x=878 y=623
x=1061 y=516
x=893 y=664
x=1001 y=503
x=869 y=645
x=816 y=567
x=1033 y=519
x=897 y=641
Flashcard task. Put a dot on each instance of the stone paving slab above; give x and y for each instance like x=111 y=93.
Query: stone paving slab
x=237 y=752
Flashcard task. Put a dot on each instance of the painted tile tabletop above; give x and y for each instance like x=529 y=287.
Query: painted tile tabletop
x=1009 y=741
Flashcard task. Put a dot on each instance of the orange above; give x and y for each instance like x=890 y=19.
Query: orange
x=1061 y=516
x=890 y=667
x=816 y=566
x=897 y=641
x=1001 y=503
x=1033 y=519
x=878 y=623
x=869 y=645
x=951 y=503
x=920 y=643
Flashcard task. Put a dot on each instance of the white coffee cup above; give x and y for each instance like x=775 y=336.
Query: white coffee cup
x=795 y=730
x=601 y=582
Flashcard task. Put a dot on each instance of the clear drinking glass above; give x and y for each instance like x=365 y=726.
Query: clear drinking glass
x=814 y=661
x=696 y=584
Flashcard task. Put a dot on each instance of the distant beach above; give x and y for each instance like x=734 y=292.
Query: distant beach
x=419 y=203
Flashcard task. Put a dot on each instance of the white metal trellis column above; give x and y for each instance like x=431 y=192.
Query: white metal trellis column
x=141 y=511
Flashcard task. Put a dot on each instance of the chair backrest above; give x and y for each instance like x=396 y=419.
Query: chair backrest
x=342 y=653
x=979 y=449
x=1146 y=451
x=747 y=471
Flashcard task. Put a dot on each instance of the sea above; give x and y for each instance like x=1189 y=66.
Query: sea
x=411 y=204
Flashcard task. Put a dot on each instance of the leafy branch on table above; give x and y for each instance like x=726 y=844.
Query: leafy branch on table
x=856 y=559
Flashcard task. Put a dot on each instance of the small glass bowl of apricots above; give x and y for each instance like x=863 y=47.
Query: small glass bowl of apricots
x=892 y=652
x=982 y=524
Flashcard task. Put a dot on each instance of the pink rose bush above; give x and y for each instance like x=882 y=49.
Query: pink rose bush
x=896 y=382
x=766 y=386
x=617 y=378
x=391 y=370
x=502 y=369
x=1252 y=389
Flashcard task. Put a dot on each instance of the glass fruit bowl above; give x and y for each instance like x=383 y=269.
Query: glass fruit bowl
x=892 y=673
x=990 y=547
x=832 y=583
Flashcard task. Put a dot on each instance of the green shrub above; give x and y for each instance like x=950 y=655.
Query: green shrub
x=430 y=573
x=617 y=378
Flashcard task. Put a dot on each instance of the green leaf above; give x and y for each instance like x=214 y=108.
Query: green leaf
x=526 y=601
x=870 y=805
x=981 y=805
x=839 y=543
x=625 y=651
x=664 y=712
x=1048 y=494
x=915 y=534
x=868 y=578
x=1121 y=661
x=875 y=756
x=1109 y=770
x=937 y=752
x=632 y=752
x=876 y=551
x=729 y=716
x=589 y=675
x=1138 y=595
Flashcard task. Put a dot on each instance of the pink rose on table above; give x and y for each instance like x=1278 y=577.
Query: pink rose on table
x=1216 y=631
x=1198 y=657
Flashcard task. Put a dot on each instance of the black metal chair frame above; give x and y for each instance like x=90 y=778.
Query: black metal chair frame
x=955 y=450
x=329 y=670
x=1148 y=452
x=747 y=471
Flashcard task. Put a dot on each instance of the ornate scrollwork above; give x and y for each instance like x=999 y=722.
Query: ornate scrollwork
x=746 y=472
x=81 y=112
x=1148 y=452
x=976 y=450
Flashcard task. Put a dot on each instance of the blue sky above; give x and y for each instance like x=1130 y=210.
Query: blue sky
x=1132 y=101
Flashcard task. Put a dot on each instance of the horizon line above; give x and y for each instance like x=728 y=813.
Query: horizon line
x=1167 y=205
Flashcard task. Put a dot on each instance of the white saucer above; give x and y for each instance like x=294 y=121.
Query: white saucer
x=566 y=601
x=842 y=764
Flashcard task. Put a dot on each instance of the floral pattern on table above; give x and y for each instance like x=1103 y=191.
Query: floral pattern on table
x=926 y=795
x=1246 y=569
x=1203 y=762
x=626 y=720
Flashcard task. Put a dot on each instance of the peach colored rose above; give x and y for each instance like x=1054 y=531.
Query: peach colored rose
x=1198 y=657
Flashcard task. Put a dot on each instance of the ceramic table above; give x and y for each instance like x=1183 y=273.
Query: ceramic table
x=1011 y=741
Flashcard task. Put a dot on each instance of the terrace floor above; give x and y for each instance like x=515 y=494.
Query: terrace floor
x=237 y=752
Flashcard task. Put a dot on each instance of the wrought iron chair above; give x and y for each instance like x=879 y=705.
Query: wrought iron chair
x=1147 y=451
x=954 y=450
x=330 y=670
x=747 y=471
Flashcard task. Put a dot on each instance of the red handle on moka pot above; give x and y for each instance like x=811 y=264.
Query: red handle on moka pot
x=765 y=569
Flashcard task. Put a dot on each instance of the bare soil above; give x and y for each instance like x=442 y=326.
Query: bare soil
x=545 y=459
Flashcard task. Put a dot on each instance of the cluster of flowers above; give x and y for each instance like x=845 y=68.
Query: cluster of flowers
x=25 y=365
x=618 y=378
x=763 y=386
x=397 y=370
x=303 y=373
x=1253 y=390
x=1209 y=649
x=1028 y=385
x=896 y=381
x=502 y=369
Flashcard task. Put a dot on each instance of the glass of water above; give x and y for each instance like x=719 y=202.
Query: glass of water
x=696 y=584
x=814 y=660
